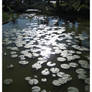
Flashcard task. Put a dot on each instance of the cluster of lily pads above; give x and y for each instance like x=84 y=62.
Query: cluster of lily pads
x=37 y=43
x=64 y=78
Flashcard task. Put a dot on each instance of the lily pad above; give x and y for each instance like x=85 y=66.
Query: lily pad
x=80 y=71
x=44 y=80
x=65 y=66
x=87 y=80
x=51 y=64
x=13 y=52
x=61 y=59
x=37 y=66
x=83 y=63
x=27 y=78
x=82 y=76
x=60 y=81
x=56 y=83
x=23 y=62
x=54 y=70
x=73 y=89
x=72 y=64
x=8 y=81
x=45 y=72
x=36 y=89
x=33 y=81
x=14 y=55
x=60 y=74
x=10 y=66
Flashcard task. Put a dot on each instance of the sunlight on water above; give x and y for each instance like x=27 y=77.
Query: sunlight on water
x=45 y=54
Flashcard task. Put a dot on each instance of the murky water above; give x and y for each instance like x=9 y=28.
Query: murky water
x=46 y=54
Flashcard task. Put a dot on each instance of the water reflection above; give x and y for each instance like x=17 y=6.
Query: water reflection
x=76 y=25
x=70 y=25
x=49 y=48
x=46 y=51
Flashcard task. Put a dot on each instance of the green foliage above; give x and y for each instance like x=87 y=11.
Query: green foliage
x=7 y=16
x=78 y=4
x=62 y=6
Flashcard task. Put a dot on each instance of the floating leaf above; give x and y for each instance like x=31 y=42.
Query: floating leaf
x=61 y=59
x=45 y=72
x=54 y=70
x=65 y=66
x=36 y=89
x=72 y=64
x=51 y=64
x=73 y=89
x=23 y=62
x=8 y=81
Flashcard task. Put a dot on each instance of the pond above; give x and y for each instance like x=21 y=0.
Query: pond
x=46 y=54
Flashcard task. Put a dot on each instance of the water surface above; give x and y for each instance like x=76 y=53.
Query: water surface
x=46 y=54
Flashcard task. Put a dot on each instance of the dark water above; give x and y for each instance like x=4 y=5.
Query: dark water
x=46 y=54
